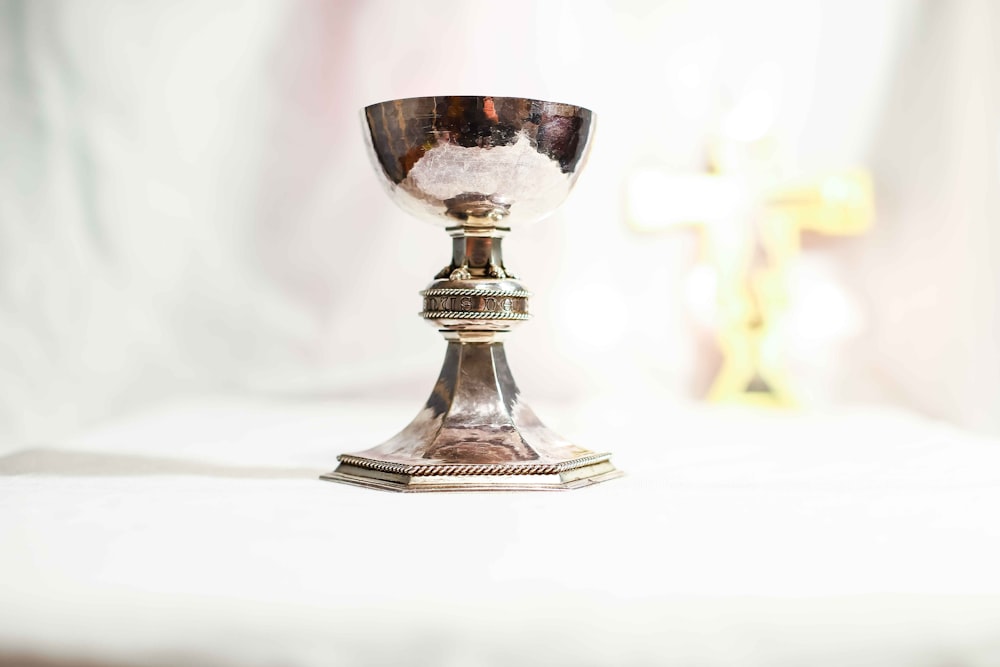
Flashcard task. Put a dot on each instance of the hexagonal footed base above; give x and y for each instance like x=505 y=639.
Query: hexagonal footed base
x=475 y=434
x=571 y=478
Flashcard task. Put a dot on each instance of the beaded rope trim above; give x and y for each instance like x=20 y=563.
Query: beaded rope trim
x=472 y=315
x=445 y=291
x=472 y=469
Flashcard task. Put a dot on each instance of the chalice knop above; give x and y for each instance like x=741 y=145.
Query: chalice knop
x=478 y=166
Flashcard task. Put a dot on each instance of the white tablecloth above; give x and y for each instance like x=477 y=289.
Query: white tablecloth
x=198 y=534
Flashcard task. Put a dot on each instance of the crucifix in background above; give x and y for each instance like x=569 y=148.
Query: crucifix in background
x=750 y=220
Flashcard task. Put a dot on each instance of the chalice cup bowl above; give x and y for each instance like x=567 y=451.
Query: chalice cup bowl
x=479 y=167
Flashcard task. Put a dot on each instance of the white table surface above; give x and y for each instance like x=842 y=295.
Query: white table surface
x=198 y=534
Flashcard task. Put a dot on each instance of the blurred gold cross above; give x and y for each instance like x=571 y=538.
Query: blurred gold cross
x=751 y=223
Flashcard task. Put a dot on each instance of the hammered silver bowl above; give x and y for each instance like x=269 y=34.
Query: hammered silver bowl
x=478 y=161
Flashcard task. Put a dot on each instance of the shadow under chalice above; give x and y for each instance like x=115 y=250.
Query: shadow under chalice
x=72 y=463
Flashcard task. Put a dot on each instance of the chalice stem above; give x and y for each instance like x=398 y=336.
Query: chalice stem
x=474 y=431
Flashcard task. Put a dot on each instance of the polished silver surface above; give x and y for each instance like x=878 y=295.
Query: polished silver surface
x=477 y=165
x=478 y=161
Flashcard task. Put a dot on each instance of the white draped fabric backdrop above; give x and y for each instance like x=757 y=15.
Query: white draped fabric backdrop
x=186 y=205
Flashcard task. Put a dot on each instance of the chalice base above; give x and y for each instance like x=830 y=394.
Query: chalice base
x=475 y=434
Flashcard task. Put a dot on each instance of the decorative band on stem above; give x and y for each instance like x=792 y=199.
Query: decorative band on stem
x=482 y=304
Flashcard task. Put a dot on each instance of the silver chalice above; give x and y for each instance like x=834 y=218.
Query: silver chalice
x=477 y=166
